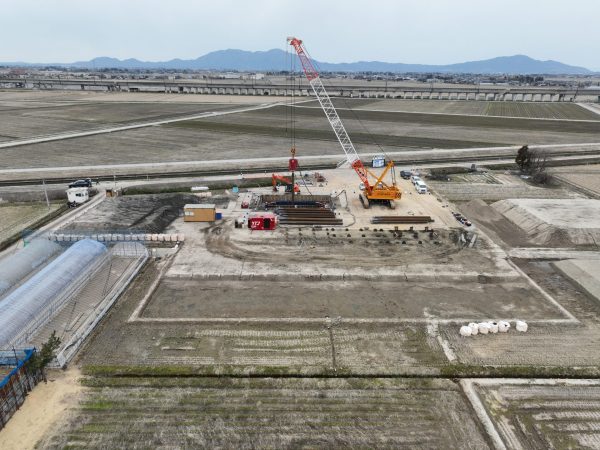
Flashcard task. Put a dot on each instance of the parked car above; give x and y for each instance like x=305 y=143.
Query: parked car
x=415 y=178
x=420 y=187
x=87 y=182
x=405 y=174
x=463 y=220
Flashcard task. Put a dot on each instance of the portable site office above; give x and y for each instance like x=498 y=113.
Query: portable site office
x=201 y=212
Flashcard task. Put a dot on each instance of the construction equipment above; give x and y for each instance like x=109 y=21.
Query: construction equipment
x=285 y=181
x=376 y=190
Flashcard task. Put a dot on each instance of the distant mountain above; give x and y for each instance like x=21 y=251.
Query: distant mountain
x=275 y=60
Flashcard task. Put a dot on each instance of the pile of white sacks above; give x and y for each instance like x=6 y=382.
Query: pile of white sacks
x=491 y=327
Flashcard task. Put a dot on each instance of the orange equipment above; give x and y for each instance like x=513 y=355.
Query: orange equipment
x=286 y=181
x=375 y=188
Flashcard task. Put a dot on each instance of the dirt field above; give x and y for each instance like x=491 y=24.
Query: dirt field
x=196 y=299
x=540 y=110
x=18 y=217
x=46 y=406
x=270 y=413
x=585 y=178
x=542 y=414
x=493 y=186
x=136 y=213
x=454 y=120
x=260 y=134
x=564 y=345
x=16 y=123
x=233 y=348
x=480 y=108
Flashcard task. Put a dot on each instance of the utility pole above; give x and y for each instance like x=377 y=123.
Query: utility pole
x=46 y=194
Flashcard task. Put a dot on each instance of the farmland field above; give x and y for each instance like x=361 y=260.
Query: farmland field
x=540 y=110
x=269 y=413
x=544 y=415
x=265 y=133
x=28 y=121
x=534 y=110
x=16 y=218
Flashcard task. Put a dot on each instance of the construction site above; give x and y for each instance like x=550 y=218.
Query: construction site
x=298 y=271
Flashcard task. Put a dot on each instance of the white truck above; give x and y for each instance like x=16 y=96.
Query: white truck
x=77 y=196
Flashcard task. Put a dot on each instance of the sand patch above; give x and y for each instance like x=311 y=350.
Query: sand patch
x=46 y=405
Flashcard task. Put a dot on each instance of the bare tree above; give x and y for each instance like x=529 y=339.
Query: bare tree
x=538 y=166
x=522 y=159
x=533 y=163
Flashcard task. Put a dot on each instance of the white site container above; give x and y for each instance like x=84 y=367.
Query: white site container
x=484 y=327
x=474 y=328
x=521 y=326
x=465 y=330
x=503 y=326
x=493 y=327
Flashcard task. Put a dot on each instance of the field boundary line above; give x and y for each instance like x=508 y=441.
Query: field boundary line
x=135 y=315
x=323 y=320
x=77 y=134
x=588 y=107
x=469 y=390
x=544 y=293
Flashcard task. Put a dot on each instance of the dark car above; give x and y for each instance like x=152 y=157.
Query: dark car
x=405 y=174
x=462 y=219
x=81 y=183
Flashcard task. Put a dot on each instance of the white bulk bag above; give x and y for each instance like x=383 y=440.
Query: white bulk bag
x=465 y=330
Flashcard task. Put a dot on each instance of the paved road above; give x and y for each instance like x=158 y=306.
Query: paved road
x=552 y=253
x=410 y=155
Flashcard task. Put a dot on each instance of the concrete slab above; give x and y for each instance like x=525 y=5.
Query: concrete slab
x=584 y=273
x=564 y=213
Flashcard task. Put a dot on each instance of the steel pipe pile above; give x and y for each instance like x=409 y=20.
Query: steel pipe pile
x=307 y=216
x=408 y=220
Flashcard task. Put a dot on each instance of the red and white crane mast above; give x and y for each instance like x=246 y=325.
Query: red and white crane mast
x=334 y=119
x=374 y=191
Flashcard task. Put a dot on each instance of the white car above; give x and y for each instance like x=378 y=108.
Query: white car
x=415 y=178
x=420 y=187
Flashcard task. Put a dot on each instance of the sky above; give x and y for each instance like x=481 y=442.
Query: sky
x=409 y=31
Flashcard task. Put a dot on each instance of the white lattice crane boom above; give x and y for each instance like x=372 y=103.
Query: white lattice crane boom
x=374 y=191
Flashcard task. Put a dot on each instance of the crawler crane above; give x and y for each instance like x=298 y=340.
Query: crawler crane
x=375 y=189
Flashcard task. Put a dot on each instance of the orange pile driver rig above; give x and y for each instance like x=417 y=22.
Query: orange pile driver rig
x=292 y=167
x=376 y=189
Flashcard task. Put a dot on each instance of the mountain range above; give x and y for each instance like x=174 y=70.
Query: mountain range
x=278 y=60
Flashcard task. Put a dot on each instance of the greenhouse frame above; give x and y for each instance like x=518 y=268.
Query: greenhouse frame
x=32 y=304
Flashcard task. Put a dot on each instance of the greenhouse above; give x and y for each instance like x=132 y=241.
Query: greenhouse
x=15 y=268
x=31 y=305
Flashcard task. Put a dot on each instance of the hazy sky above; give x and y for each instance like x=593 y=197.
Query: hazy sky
x=411 y=31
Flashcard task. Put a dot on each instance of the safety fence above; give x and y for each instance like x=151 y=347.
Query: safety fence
x=18 y=381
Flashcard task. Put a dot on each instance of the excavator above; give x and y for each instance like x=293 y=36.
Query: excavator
x=286 y=182
x=375 y=188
